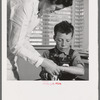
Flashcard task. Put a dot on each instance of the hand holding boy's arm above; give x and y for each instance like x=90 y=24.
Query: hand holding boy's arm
x=50 y=67
x=77 y=70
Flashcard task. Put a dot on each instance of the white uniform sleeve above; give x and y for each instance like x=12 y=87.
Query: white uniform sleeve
x=22 y=21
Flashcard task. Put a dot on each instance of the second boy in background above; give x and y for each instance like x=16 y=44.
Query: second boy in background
x=67 y=59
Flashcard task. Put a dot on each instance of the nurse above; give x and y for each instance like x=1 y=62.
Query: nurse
x=22 y=17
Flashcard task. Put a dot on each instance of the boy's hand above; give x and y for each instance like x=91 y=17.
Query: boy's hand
x=44 y=75
x=54 y=78
x=50 y=67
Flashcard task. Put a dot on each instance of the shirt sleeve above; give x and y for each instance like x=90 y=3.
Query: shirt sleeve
x=77 y=59
x=20 y=20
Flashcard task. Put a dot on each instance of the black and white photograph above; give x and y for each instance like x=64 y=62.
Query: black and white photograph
x=47 y=40
x=50 y=49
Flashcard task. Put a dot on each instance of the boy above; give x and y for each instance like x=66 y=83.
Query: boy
x=67 y=59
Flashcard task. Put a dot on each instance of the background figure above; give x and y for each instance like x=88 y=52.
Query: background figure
x=22 y=17
x=67 y=59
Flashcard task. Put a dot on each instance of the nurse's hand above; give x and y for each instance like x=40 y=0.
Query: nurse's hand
x=50 y=67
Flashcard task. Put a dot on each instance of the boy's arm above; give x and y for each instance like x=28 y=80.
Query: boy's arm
x=77 y=70
x=77 y=67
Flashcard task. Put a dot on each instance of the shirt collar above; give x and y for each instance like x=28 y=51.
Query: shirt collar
x=59 y=52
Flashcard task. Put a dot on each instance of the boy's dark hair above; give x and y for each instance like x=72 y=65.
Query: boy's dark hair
x=66 y=3
x=64 y=27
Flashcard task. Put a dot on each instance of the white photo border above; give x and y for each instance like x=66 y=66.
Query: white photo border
x=77 y=90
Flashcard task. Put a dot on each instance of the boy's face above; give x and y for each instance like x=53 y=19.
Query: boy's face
x=63 y=41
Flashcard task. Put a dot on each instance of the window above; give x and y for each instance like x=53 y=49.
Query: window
x=43 y=34
x=78 y=22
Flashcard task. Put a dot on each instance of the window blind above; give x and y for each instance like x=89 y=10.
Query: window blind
x=78 y=22
x=43 y=34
